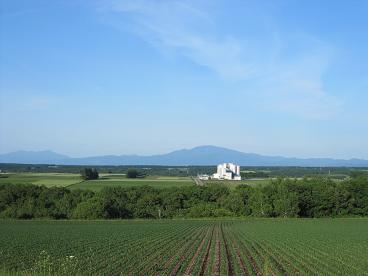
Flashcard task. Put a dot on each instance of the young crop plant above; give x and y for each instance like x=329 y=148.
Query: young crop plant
x=185 y=247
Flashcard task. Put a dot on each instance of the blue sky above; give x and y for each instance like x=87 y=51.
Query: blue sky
x=137 y=76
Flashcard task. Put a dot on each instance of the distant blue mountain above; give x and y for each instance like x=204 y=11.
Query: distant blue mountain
x=203 y=155
x=32 y=157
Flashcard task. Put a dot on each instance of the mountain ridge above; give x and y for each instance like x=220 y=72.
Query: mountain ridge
x=202 y=155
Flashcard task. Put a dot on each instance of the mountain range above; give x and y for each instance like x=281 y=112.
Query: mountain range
x=202 y=155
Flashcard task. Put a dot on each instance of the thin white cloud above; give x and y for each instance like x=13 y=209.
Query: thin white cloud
x=181 y=26
x=297 y=81
x=289 y=69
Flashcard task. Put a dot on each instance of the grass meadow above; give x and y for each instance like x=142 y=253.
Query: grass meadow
x=74 y=181
x=122 y=181
x=46 y=179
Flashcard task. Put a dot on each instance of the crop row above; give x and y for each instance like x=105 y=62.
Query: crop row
x=187 y=247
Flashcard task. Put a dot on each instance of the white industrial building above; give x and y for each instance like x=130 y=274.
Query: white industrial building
x=227 y=171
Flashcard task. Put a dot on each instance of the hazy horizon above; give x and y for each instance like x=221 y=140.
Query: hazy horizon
x=281 y=78
x=179 y=149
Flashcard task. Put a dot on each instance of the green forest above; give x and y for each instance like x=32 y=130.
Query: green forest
x=283 y=197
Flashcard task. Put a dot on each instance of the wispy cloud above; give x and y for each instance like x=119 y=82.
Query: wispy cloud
x=288 y=68
x=188 y=30
x=295 y=84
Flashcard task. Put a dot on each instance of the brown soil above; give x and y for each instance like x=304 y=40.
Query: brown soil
x=181 y=260
x=205 y=258
x=217 y=265
x=230 y=270
x=192 y=262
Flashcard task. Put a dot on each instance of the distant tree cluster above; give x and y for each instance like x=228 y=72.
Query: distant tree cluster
x=254 y=174
x=132 y=173
x=308 y=198
x=89 y=174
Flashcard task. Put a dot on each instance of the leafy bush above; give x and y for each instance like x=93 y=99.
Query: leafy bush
x=205 y=210
x=90 y=209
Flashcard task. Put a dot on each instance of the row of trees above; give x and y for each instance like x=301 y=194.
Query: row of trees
x=310 y=197
x=92 y=174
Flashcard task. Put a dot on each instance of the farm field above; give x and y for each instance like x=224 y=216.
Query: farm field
x=186 y=247
x=122 y=181
x=74 y=181
x=46 y=179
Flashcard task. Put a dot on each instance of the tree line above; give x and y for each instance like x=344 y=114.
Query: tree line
x=261 y=171
x=283 y=197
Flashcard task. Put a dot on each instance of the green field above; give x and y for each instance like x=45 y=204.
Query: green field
x=112 y=180
x=74 y=181
x=122 y=181
x=46 y=179
x=179 y=247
